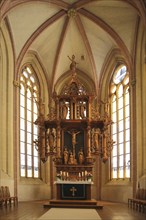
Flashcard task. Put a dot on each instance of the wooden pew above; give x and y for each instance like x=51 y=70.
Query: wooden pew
x=1 y=197
x=139 y=202
x=5 y=197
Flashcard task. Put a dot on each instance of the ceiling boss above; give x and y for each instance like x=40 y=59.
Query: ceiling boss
x=72 y=13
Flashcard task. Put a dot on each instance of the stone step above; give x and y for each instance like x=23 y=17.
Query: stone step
x=87 y=202
x=73 y=204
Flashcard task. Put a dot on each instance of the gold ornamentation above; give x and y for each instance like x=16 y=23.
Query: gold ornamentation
x=16 y=83
x=72 y=13
x=74 y=111
x=52 y=115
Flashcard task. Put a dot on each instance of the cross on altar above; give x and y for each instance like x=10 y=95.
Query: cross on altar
x=73 y=190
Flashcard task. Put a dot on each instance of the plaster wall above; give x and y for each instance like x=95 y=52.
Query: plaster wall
x=116 y=193
x=36 y=190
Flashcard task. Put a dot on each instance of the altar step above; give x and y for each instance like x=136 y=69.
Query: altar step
x=73 y=204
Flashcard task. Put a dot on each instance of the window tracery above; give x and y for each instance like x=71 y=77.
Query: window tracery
x=120 y=115
x=29 y=92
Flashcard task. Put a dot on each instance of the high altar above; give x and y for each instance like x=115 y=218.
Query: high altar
x=73 y=133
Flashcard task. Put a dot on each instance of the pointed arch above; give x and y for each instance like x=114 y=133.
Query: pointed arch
x=120 y=115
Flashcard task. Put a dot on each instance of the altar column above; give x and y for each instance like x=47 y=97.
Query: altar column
x=58 y=142
x=57 y=108
x=89 y=159
x=104 y=146
x=88 y=141
x=89 y=107
x=42 y=144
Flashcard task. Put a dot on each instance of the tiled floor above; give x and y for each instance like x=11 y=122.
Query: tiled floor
x=35 y=209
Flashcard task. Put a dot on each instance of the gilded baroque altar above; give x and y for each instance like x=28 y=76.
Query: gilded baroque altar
x=74 y=131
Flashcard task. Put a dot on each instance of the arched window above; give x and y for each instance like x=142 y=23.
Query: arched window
x=120 y=114
x=29 y=95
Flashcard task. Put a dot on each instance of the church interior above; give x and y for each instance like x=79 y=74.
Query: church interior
x=72 y=97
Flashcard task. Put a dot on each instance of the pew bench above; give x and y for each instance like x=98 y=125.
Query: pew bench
x=6 y=198
x=139 y=202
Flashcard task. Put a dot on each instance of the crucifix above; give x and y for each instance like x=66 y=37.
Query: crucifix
x=73 y=190
x=73 y=133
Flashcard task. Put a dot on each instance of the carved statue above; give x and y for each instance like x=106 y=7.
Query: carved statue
x=73 y=133
x=71 y=158
x=65 y=155
x=106 y=106
x=64 y=110
x=73 y=64
x=51 y=140
x=41 y=112
x=81 y=156
x=82 y=111
x=96 y=139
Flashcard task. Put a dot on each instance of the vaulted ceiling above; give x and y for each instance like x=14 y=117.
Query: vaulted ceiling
x=56 y=29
